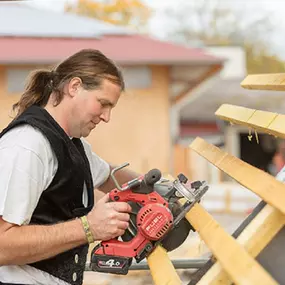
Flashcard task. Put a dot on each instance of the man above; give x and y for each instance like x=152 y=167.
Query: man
x=48 y=173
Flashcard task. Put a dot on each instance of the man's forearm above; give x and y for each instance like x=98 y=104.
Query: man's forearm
x=26 y=244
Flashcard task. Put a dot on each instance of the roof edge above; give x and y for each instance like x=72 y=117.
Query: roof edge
x=198 y=62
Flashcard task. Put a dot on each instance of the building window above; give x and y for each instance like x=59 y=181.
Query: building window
x=137 y=77
x=16 y=79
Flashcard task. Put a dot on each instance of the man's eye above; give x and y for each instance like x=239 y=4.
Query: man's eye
x=105 y=104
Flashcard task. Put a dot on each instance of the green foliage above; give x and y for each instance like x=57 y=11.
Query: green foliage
x=119 y=12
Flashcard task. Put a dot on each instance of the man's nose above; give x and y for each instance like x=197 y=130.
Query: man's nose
x=105 y=116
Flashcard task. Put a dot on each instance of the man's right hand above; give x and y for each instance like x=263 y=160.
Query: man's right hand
x=107 y=219
x=31 y=243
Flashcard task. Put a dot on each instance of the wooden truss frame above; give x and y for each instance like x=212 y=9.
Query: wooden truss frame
x=236 y=261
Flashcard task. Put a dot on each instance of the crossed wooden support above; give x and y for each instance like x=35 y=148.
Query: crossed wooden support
x=236 y=257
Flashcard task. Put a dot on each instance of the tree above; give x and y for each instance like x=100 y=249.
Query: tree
x=218 y=22
x=119 y=12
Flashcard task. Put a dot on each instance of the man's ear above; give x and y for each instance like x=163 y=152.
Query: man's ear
x=73 y=86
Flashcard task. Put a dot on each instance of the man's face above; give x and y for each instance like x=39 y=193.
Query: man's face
x=90 y=107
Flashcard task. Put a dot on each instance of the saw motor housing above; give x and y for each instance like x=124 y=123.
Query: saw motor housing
x=155 y=209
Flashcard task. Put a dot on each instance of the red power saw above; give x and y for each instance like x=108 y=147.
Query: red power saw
x=157 y=218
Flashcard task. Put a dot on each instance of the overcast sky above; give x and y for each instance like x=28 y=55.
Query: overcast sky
x=274 y=8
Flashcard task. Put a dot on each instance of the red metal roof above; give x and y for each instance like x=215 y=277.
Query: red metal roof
x=128 y=49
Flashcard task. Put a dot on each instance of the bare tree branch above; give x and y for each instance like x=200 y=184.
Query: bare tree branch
x=219 y=22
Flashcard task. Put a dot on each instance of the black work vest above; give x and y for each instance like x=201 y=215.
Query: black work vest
x=62 y=200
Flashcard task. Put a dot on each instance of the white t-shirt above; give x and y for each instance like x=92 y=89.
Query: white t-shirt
x=27 y=167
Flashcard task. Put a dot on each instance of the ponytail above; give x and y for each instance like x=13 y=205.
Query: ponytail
x=90 y=65
x=37 y=91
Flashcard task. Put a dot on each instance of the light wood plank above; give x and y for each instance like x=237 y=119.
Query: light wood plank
x=162 y=269
x=253 y=238
x=234 y=114
x=273 y=81
x=236 y=261
x=261 y=183
x=267 y=122
x=277 y=127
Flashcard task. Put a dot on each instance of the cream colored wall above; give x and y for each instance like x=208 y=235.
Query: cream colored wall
x=138 y=132
x=5 y=101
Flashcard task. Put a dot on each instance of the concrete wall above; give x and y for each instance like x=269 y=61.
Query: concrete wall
x=138 y=132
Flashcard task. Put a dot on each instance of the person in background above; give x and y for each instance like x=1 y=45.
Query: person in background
x=278 y=160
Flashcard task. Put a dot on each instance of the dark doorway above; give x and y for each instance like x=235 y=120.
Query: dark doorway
x=258 y=154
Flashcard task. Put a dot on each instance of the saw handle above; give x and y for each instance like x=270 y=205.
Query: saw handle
x=141 y=198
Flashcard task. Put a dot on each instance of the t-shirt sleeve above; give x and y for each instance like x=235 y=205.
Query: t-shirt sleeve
x=100 y=169
x=22 y=183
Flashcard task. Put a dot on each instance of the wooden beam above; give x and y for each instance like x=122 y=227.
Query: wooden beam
x=261 y=183
x=274 y=81
x=235 y=260
x=262 y=228
x=254 y=238
x=162 y=269
x=267 y=122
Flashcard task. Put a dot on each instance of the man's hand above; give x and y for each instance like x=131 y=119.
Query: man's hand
x=108 y=220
